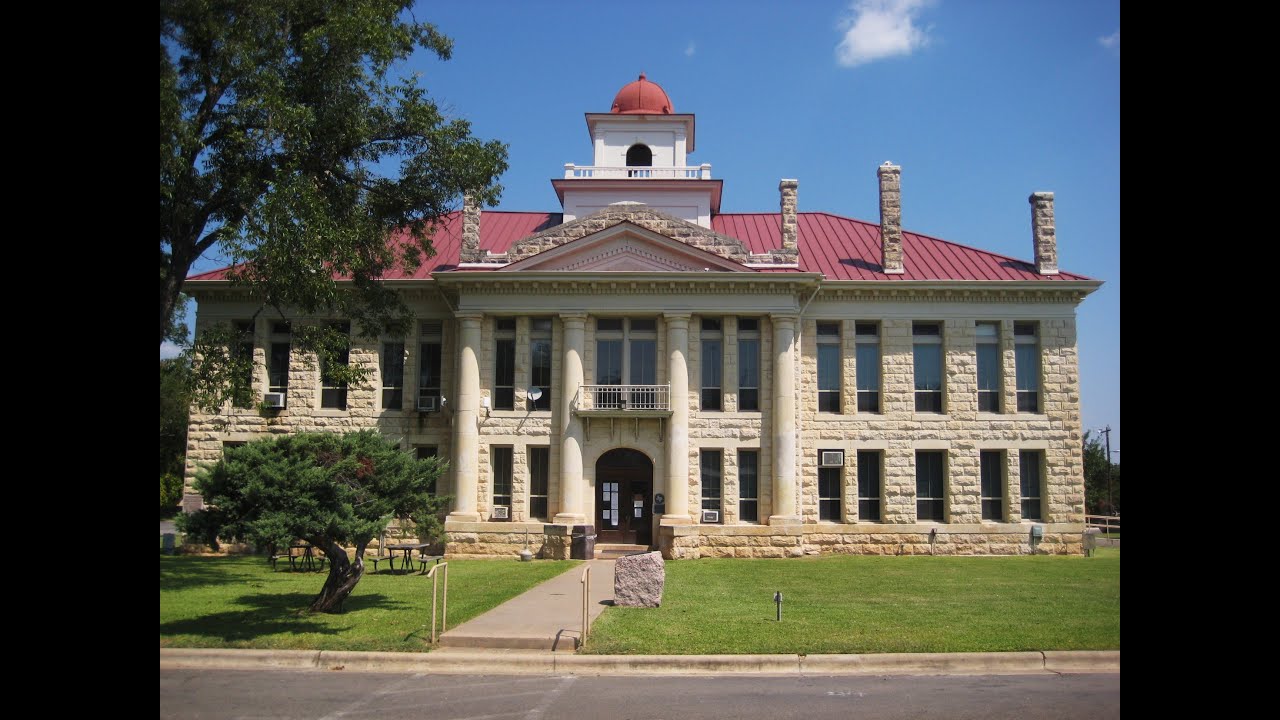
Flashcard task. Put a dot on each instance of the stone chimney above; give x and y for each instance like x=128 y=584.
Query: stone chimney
x=890 y=218
x=788 y=189
x=1043 y=236
x=470 y=229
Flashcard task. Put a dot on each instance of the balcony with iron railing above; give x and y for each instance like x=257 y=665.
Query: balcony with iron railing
x=699 y=172
x=624 y=400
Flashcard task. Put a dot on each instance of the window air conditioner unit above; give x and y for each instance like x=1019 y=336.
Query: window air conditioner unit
x=501 y=512
x=273 y=400
x=710 y=516
x=429 y=403
x=832 y=458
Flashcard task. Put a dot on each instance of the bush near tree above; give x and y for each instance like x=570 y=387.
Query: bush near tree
x=331 y=490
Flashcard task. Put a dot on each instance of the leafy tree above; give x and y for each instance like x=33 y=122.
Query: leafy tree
x=174 y=412
x=1101 y=478
x=328 y=489
x=281 y=127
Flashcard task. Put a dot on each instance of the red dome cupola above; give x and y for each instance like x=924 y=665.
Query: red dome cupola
x=641 y=97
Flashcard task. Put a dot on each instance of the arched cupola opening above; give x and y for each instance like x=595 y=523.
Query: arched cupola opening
x=639 y=155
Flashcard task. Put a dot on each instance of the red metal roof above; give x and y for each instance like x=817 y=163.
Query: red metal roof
x=840 y=248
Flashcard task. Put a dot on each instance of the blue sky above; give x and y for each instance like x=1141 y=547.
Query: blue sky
x=981 y=103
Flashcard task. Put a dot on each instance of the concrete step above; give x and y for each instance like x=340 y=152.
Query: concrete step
x=613 y=551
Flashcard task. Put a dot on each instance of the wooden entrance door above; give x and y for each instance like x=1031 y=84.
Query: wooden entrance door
x=624 y=498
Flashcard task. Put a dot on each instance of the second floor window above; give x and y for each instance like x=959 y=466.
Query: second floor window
x=1026 y=356
x=829 y=367
x=927 y=358
x=749 y=364
x=333 y=392
x=989 y=367
x=867 y=337
x=504 y=364
x=392 y=375
x=244 y=356
x=626 y=353
x=278 y=359
x=540 y=363
x=712 y=363
x=429 y=359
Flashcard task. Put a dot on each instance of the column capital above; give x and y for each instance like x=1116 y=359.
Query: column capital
x=677 y=317
x=786 y=319
x=469 y=315
x=579 y=318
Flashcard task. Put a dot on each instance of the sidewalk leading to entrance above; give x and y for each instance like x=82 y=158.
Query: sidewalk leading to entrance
x=547 y=617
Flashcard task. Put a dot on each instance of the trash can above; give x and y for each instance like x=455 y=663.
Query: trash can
x=167 y=542
x=582 y=545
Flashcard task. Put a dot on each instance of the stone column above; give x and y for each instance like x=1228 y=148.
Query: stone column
x=678 y=428
x=466 y=422
x=571 y=435
x=784 y=421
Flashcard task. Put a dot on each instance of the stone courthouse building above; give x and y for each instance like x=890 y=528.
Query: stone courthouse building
x=708 y=384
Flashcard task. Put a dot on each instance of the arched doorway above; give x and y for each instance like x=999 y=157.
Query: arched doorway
x=624 y=497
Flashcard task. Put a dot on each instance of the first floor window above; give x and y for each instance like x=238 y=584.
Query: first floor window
x=428 y=451
x=1029 y=470
x=711 y=473
x=829 y=485
x=539 y=471
x=992 y=462
x=748 y=485
x=868 y=486
x=502 y=475
x=930 y=470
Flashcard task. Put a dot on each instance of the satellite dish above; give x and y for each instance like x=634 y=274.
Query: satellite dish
x=535 y=394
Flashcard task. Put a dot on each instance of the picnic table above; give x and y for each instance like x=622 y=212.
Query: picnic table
x=407 y=549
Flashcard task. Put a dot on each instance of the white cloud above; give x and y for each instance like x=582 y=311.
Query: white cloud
x=1111 y=42
x=879 y=29
x=169 y=350
x=690 y=49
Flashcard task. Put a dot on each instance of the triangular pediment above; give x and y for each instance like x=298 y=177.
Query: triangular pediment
x=625 y=247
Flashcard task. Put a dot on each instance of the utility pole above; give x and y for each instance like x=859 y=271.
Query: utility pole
x=1110 y=507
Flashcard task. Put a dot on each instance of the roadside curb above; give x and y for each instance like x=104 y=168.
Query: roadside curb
x=523 y=662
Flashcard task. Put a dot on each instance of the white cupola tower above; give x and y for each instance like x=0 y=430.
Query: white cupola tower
x=640 y=154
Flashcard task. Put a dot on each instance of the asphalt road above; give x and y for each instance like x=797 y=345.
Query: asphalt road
x=280 y=694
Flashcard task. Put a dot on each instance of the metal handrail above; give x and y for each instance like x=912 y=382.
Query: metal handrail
x=586 y=603
x=444 y=619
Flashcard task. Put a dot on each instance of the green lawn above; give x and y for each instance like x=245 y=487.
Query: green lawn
x=240 y=602
x=852 y=604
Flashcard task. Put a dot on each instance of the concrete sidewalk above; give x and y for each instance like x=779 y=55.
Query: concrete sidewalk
x=547 y=617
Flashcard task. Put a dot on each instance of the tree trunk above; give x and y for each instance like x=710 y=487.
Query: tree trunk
x=343 y=576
